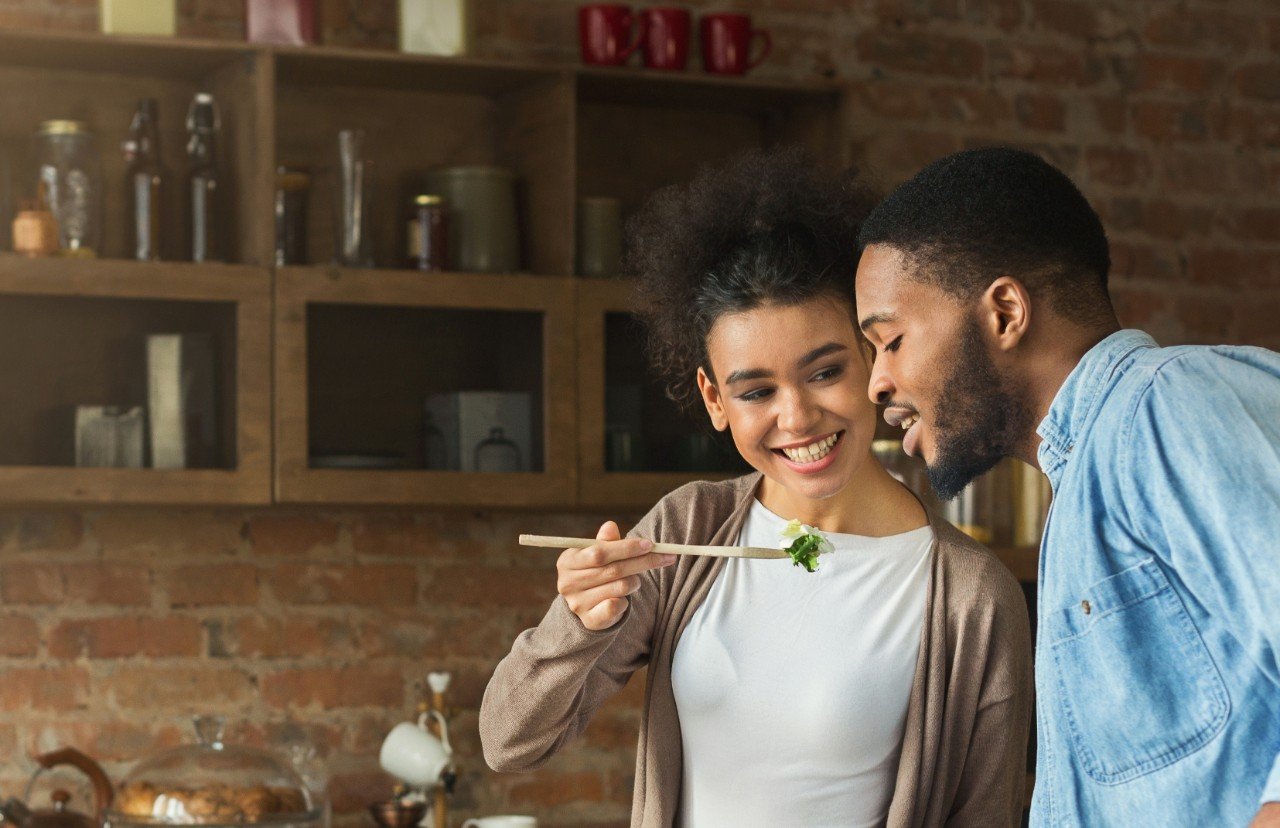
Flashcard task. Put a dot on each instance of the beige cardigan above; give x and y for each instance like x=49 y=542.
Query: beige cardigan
x=965 y=744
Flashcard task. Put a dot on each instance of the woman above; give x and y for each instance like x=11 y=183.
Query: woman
x=891 y=686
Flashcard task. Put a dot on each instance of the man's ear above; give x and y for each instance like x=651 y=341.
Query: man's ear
x=1006 y=312
x=711 y=399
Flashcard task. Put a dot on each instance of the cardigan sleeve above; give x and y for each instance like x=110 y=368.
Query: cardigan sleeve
x=545 y=691
x=992 y=783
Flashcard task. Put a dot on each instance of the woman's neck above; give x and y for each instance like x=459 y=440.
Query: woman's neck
x=873 y=504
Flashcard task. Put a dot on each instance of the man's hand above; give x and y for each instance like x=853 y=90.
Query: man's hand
x=1268 y=817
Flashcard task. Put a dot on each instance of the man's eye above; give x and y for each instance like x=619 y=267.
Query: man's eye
x=893 y=346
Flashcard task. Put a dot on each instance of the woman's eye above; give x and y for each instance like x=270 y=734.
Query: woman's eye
x=893 y=346
x=827 y=373
x=755 y=396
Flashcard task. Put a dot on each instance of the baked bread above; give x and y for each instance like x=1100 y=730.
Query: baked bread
x=207 y=804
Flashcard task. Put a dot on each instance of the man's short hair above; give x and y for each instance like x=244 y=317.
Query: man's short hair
x=974 y=216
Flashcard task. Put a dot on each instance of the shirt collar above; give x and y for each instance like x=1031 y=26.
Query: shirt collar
x=1073 y=405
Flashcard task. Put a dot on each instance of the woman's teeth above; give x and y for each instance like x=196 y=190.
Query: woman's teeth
x=811 y=452
x=910 y=421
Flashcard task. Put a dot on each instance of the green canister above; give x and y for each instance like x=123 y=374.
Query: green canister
x=484 y=234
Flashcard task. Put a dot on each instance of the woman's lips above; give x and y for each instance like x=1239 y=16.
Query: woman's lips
x=817 y=465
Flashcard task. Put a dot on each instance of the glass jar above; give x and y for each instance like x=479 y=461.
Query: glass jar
x=428 y=234
x=212 y=783
x=70 y=170
x=496 y=453
x=292 y=187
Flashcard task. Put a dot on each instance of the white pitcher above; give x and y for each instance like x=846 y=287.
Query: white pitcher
x=413 y=753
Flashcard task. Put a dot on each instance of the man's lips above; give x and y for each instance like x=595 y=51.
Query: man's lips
x=898 y=417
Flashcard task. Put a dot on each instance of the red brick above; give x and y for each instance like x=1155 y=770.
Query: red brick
x=1260 y=81
x=905 y=101
x=294 y=637
x=1004 y=14
x=379 y=534
x=95 y=637
x=109 y=584
x=1169 y=121
x=1117 y=166
x=105 y=741
x=472 y=585
x=1205 y=318
x=966 y=105
x=44 y=688
x=1040 y=112
x=1246 y=270
x=900 y=154
x=1111 y=114
x=334 y=687
x=1083 y=20
x=1145 y=262
x=150 y=687
x=1199 y=171
x=613 y=731
x=227 y=584
x=548 y=788
x=8 y=743
x=921 y=53
x=1249 y=126
x=32 y=583
x=1199 y=29
x=1255 y=323
x=1140 y=308
x=1175 y=73
x=166 y=533
x=1260 y=224
x=292 y=534
x=350 y=792
x=1049 y=65
x=50 y=532
x=419 y=637
x=358 y=585
x=19 y=635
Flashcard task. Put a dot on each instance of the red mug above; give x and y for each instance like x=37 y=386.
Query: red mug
x=726 y=43
x=666 y=37
x=604 y=30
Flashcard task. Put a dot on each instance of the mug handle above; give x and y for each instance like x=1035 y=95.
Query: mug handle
x=635 y=44
x=764 y=53
x=444 y=729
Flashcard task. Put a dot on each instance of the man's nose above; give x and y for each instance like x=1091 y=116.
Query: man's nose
x=880 y=388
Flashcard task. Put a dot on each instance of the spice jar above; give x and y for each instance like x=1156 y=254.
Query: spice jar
x=428 y=234
x=35 y=231
x=71 y=174
x=292 y=187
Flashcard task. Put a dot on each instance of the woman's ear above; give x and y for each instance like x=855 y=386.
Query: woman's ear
x=711 y=399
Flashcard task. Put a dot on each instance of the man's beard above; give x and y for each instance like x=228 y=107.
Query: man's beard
x=978 y=422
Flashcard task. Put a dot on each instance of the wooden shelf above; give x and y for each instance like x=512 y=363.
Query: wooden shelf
x=411 y=365
x=66 y=316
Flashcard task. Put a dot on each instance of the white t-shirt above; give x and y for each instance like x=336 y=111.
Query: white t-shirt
x=792 y=687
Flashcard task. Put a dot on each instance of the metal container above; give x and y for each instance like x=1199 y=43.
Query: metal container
x=484 y=234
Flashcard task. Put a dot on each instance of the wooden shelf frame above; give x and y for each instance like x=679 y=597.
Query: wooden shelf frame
x=249 y=289
x=552 y=297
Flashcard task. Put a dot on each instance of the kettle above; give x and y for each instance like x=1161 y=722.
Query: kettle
x=17 y=813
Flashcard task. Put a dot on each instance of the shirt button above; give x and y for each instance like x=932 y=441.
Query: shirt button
x=1086 y=606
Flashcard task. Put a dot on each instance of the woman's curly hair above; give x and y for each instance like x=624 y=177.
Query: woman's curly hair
x=767 y=227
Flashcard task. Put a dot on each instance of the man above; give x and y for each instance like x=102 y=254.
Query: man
x=983 y=287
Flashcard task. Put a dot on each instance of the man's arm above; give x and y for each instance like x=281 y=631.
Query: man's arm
x=1203 y=482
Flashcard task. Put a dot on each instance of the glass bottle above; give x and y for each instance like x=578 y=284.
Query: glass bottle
x=314 y=775
x=352 y=224
x=496 y=453
x=203 y=220
x=428 y=232
x=144 y=182
x=292 y=186
x=68 y=164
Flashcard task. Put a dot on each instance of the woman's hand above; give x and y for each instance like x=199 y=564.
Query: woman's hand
x=596 y=581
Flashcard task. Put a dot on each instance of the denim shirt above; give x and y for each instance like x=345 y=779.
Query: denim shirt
x=1158 y=636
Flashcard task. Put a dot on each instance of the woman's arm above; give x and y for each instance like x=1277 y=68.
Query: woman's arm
x=596 y=634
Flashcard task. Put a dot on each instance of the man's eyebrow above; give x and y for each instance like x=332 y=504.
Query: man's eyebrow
x=876 y=319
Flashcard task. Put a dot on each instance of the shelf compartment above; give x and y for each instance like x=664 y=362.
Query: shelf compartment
x=73 y=332
x=359 y=351
x=450 y=115
x=611 y=355
x=99 y=81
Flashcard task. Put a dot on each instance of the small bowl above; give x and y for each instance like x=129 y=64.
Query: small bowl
x=396 y=814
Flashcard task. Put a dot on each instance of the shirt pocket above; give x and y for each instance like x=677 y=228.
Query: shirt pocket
x=1136 y=684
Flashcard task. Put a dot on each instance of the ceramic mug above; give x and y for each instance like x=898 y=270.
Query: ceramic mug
x=666 y=38
x=726 y=43
x=412 y=753
x=604 y=34
x=502 y=822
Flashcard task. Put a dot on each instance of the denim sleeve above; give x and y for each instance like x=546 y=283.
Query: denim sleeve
x=1203 y=478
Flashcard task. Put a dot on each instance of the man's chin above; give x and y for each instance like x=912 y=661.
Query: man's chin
x=949 y=478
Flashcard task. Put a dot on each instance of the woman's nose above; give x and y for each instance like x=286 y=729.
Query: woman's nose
x=798 y=414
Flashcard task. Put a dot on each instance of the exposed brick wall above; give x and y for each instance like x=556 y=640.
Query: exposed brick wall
x=116 y=624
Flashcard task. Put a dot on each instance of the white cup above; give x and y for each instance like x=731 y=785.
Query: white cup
x=413 y=754
x=502 y=822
